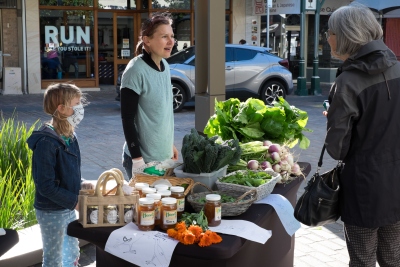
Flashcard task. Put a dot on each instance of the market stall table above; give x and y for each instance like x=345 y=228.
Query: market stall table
x=233 y=251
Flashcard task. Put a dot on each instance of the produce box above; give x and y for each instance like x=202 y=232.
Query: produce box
x=205 y=178
x=101 y=208
x=262 y=191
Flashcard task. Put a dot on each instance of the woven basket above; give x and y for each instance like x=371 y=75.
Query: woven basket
x=242 y=203
x=262 y=190
x=150 y=179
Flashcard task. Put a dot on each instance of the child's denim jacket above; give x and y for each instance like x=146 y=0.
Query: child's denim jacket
x=56 y=170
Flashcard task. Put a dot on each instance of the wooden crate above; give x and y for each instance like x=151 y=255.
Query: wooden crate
x=102 y=199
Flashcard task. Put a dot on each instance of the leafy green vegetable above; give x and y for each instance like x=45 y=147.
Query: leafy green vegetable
x=252 y=120
x=199 y=219
x=248 y=178
x=205 y=155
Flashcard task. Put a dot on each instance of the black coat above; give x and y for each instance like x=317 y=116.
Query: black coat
x=363 y=130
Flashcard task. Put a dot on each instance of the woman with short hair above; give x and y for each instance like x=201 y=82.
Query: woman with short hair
x=362 y=131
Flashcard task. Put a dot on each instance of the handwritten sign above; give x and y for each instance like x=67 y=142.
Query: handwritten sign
x=284 y=209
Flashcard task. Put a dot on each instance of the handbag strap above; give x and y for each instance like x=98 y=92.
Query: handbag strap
x=321 y=157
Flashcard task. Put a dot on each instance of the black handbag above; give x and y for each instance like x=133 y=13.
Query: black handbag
x=319 y=203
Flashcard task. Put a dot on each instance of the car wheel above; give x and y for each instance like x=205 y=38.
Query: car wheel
x=179 y=97
x=271 y=91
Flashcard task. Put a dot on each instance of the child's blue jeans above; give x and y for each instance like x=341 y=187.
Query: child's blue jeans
x=59 y=249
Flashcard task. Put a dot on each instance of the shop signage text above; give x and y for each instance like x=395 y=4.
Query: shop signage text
x=76 y=35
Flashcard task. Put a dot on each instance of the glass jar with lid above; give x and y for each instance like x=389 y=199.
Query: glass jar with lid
x=164 y=193
x=157 y=207
x=139 y=187
x=178 y=193
x=212 y=209
x=168 y=213
x=128 y=213
x=148 y=190
x=161 y=187
x=110 y=214
x=146 y=214
x=92 y=214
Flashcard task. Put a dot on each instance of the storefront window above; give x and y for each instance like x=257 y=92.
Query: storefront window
x=117 y=4
x=66 y=44
x=227 y=4
x=171 y=4
x=181 y=27
x=66 y=3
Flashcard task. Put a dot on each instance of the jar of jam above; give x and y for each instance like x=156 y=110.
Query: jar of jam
x=168 y=213
x=161 y=187
x=92 y=214
x=146 y=214
x=128 y=213
x=148 y=190
x=139 y=187
x=177 y=192
x=157 y=207
x=110 y=214
x=212 y=209
x=164 y=193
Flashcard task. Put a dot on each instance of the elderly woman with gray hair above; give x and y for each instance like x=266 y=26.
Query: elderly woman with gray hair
x=362 y=131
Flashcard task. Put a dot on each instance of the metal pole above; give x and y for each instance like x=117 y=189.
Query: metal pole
x=267 y=29
x=315 y=79
x=302 y=80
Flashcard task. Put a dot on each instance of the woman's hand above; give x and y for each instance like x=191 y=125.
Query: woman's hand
x=176 y=153
x=325 y=113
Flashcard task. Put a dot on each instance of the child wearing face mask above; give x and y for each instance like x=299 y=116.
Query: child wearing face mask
x=56 y=170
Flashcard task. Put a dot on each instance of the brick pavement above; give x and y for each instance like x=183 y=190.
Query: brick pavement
x=101 y=140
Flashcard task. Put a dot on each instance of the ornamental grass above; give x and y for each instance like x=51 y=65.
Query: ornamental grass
x=17 y=189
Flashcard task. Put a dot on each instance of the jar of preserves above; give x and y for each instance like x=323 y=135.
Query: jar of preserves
x=148 y=190
x=177 y=192
x=212 y=209
x=161 y=187
x=110 y=214
x=92 y=214
x=128 y=213
x=146 y=214
x=164 y=193
x=157 y=207
x=168 y=213
x=139 y=187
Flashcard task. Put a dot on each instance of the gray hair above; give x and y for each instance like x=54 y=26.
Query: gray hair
x=354 y=26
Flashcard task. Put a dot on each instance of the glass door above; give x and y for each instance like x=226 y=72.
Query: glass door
x=124 y=41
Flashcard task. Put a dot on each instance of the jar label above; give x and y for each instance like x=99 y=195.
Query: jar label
x=94 y=216
x=147 y=217
x=128 y=216
x=112 y=216
x=217 y=213
x=170 y=217
x=180 y=204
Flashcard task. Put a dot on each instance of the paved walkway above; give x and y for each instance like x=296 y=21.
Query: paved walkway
x=101 y=140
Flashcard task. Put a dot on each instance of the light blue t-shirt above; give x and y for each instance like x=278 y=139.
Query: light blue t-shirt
x=155 y=116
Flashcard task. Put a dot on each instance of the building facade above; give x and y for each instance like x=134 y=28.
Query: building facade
x=88 y=42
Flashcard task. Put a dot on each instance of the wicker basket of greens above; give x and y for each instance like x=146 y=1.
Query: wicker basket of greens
x=244 y=180
x=232 y=203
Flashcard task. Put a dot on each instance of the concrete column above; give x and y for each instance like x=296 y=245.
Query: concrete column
x=210 y=58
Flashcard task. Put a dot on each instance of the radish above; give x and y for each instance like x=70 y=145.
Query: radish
x=252 y=164
x=275 y=156
x=289 y=159
x=267 y=143
x=274 y=148
x=296 y=169
x=265 y=165
x=276 y=168
x=285 y=166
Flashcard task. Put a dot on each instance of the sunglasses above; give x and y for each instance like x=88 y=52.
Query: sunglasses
x=328 y=33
